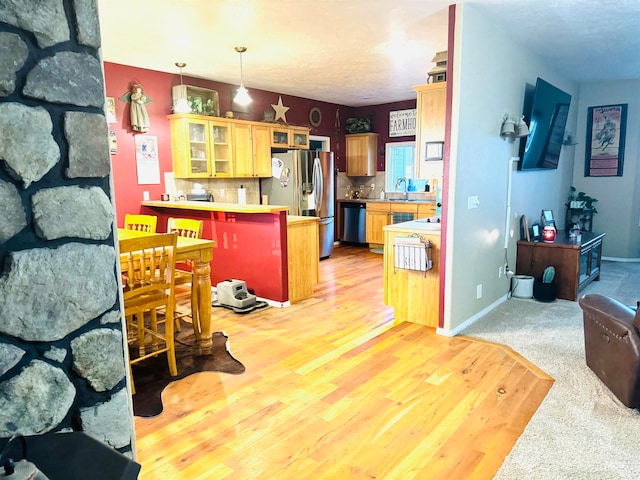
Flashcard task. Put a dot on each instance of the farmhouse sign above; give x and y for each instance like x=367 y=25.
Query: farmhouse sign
x=402 y=123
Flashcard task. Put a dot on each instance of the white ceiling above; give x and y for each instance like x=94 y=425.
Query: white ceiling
x=356 y=52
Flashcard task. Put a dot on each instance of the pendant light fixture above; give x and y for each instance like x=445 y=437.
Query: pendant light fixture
x=181 y=105
x=242 y=98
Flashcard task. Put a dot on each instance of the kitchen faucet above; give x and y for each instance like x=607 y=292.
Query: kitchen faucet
x=400 y=180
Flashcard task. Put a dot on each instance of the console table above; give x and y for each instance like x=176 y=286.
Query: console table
x=576 y=263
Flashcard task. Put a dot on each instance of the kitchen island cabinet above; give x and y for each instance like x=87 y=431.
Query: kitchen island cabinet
x=413 y=294
x=303 y=246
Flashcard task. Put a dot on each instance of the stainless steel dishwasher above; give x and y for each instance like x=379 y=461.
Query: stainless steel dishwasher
x=353 y=222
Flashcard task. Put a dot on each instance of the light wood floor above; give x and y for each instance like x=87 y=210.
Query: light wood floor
x=335 y=390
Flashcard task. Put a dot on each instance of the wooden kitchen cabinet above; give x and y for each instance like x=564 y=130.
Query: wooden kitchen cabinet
x=261 y=142
x=376 y=217
x=413 y=294
x=201 y=148
x=426 y=210
x=381 y=214
x=204 y=147
x=362 y=154
x=289 y=137
x=252 y=152
x=430 y=119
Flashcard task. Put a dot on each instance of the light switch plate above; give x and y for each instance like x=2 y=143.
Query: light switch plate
x=473 y=202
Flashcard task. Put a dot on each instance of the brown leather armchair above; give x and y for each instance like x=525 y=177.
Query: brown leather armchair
x=612 y=345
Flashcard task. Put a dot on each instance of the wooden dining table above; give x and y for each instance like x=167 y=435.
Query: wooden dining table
x=200 y=252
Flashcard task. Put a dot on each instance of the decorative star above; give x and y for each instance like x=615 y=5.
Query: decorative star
x=281 y=110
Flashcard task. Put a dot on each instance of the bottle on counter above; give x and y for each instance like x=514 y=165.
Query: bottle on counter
x=381 y=194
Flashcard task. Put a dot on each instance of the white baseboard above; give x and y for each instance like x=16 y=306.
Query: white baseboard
x=453 y=332
x=621 y=259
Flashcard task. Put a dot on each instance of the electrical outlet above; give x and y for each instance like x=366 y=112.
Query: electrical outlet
x=479 y=291
x=222 y=192
x=373 y=185
x=500 y=271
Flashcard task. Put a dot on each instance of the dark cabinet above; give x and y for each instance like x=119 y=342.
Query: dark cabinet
x=577 y=263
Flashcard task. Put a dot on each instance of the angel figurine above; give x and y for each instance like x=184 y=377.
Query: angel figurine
x=138 y=101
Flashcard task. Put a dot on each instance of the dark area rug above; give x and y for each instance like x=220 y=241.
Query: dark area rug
x=151 y=376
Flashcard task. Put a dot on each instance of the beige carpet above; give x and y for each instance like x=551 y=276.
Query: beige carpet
x=581 y=431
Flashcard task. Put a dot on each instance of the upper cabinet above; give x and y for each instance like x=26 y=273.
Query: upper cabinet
x=201 y=148
x=252 y=152
x=289 y=137
x=430 y=118
x=362 y=153
x=205 y=147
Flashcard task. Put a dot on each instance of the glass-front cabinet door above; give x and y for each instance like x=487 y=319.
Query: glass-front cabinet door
x=222 y=153
x=199 y=153
x=300 y=138
x=280 y=137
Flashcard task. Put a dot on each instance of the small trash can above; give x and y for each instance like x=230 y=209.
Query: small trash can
x=522 y=286
x=545 y=292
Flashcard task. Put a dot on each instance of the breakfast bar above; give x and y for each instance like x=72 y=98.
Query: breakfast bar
x=251 y=244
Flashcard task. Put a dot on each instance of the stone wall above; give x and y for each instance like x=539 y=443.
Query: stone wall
x=62 y=363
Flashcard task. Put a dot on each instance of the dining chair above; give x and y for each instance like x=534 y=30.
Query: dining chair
x=185 y=274
x=148 y=267
x=141 y=223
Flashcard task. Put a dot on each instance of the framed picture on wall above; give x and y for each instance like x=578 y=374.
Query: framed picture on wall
x=433 y=151
x=606 y=132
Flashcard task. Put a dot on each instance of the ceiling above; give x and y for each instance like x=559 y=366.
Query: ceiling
x=357 y=52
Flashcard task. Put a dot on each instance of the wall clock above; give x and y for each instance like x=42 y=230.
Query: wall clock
x=315 y=116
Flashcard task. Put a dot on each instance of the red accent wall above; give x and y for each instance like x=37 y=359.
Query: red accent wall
x=379 y=115
x=157 y=86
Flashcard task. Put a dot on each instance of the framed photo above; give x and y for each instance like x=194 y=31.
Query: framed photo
x=433 y=151
x=606 y=132
x=535 y=232
x=547 y=218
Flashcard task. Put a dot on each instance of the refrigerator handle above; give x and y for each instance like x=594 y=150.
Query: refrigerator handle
x=318 y=189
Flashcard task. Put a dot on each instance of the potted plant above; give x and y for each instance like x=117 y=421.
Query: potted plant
x=582 y=205
x=581 y=200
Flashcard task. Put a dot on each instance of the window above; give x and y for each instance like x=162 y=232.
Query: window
x=400 y=159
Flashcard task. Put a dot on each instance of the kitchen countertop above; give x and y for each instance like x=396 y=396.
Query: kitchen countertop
x=217 y=206
x=386 y=200
x=415 y=226
x=295 y=219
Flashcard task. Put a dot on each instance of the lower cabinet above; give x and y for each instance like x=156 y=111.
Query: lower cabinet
x=381 y=214
x=377 y=217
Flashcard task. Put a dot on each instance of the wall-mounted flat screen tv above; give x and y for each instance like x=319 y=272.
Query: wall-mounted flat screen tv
x=547 y=121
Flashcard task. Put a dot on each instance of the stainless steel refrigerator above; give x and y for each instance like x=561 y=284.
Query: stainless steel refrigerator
x=304 y=180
